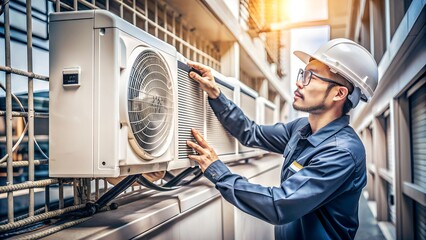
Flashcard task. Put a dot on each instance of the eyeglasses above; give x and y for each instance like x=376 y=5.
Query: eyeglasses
x=305 y=76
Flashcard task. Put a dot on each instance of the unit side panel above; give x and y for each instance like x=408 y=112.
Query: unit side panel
x=247 y=105
x=107 y=78
x=71 y=108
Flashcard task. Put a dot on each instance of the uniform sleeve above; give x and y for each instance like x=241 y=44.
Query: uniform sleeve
x=300 y=194
x=272 y=138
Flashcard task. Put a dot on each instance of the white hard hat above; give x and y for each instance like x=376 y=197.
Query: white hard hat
x=351 y=61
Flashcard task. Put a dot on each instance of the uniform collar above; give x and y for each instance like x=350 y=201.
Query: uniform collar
x=325 y=132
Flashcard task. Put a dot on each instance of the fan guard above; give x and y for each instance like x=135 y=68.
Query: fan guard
x=150 y=104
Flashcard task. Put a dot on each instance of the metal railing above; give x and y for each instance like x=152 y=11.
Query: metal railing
x=156 y=18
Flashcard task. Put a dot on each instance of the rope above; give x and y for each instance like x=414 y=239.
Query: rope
x=55 y=229
x=35 y=184
x=25 y=163
x=38 y=218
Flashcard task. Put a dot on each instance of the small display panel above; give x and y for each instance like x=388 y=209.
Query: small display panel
x=71 y=77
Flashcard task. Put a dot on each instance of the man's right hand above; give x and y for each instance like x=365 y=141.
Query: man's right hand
x=206 y=80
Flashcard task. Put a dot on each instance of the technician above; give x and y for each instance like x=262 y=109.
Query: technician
x=324 y=168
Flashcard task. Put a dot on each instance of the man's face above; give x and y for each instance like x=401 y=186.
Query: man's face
x=315 y=97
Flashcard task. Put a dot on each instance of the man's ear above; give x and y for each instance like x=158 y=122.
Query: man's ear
x=341 y=93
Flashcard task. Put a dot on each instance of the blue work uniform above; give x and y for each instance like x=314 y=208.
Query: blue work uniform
x=321 y=181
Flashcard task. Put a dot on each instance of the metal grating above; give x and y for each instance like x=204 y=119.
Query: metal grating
x=150 y=102
x=190 y=112
x=247 y=103
x=217 y=136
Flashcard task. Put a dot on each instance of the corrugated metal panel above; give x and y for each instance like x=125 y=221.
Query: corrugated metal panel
x=418 y=136
x=190 y=112
x=269 y=115
x=217 y=136
x=420 y=219
x=418 y=140
x=391 y=168
x=248 y=105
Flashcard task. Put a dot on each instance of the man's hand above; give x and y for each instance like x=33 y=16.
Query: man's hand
x=207 y=153
x=206 y=80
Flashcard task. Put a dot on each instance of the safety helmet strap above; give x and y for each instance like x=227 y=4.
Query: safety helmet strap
x=355 y=96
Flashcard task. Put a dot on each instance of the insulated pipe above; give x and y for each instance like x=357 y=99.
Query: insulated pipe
x=115 y=191
x=175 y=181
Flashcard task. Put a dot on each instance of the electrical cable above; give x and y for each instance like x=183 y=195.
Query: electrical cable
x=173 y=184
x=168 y=176
x=197 y=176
x=26 y=229
x=2 y=4
x=55 y=229
x=146 y=183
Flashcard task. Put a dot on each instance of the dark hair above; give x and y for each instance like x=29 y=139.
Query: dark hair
x=347 y=106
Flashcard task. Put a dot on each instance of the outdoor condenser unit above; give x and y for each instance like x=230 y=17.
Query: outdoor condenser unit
x=218 y=137
x=266 y=111
x=191 y=109
x=113 y=98
x=266 y=114
x=247 y=103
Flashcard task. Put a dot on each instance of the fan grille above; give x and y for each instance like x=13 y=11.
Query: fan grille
x=150 y=103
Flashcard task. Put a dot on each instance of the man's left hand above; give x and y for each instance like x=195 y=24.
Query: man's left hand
x=207 y=154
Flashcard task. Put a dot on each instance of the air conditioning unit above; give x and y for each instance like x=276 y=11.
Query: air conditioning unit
x=247 y=102
x=265 y=115
x=266 y=111
x=113 y=98
x=191 y=109
x=218 y=137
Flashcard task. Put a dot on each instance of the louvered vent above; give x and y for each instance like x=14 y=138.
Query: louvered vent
x=247 y=103
x=150 y=103
x=217 y=136
x=418 y=154
x=190 y=110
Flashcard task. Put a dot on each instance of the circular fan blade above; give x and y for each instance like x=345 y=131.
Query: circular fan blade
x=150 y=103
